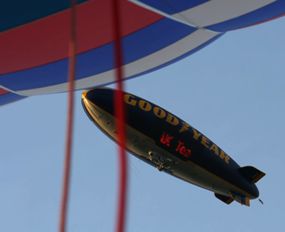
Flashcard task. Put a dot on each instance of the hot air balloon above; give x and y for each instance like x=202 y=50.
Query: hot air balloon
x=34 y=39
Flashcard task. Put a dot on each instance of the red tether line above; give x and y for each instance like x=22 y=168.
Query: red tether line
x=120 y=118
x=70 y=118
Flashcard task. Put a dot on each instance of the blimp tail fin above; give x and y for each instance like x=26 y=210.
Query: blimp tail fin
x=252 y=174
x=225 y=199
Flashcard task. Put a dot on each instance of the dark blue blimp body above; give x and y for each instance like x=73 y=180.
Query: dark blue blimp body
x=172 y=145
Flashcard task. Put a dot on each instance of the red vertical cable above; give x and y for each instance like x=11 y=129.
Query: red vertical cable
x=120 y=118
x=70 y=118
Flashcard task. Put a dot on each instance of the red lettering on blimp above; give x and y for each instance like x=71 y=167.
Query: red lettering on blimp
x=166 y=139
x=183 y=150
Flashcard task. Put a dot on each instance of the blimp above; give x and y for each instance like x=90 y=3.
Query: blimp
x=170 y=144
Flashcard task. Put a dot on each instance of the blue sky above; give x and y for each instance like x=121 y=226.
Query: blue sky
x=232 y=91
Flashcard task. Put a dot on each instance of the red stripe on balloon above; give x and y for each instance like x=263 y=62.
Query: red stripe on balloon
x=46 y=40
x=3 y=91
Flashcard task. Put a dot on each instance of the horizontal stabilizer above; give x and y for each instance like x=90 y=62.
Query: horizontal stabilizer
x=225 y=199
x=244 y=200
x=252 y=174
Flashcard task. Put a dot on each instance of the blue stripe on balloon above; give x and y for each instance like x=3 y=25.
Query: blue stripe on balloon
x=173 y=6
x=169 y=62
x=265 y=13
x=18 y=12
x=135 y=46
x=9 y=98
x=180 y=57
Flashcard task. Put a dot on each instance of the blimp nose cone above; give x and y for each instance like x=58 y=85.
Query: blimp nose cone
x=83 y=95
x=99 y=97
x=94 y=95
x=96 y=100
x=89 y=107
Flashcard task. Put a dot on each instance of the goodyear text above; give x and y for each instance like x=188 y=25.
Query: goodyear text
x=174 y=121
